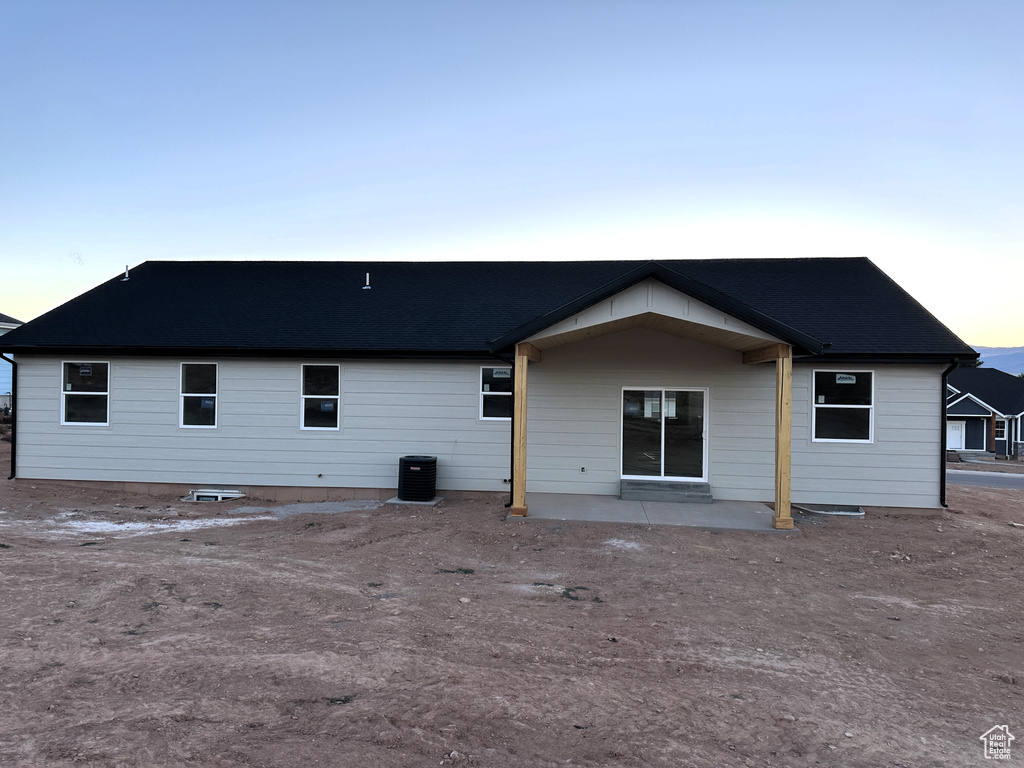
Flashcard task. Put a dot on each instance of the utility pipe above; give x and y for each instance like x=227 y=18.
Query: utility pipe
x=942 y=437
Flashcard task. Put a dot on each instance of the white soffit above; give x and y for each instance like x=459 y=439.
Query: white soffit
x=653 y=305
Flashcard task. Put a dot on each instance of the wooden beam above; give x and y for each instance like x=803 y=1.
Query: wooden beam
x=523 y=352
x=527 y=350
x=783 y=517
x=767 y=354
x=992 y=433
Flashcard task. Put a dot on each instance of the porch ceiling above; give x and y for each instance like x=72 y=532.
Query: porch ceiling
x=720 y=337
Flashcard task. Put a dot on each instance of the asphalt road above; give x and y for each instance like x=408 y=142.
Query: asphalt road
x=989 y=479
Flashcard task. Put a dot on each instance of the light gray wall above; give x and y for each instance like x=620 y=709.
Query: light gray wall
x=393 y=408
x=575 y=402
x=388 y=410
x=900 y=468
x=574 y=421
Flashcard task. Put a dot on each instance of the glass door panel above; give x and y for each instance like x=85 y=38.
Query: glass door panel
x=641 y=432
x=684 y=434
x=663 y=433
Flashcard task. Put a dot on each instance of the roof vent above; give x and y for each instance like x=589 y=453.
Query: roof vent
x=367 y=286
x=126 y=277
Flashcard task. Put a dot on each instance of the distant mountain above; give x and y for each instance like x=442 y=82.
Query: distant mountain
x=1008 y=359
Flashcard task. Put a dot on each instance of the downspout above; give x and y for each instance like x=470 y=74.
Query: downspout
x=942 y=436
x=512 y=434
x=14 y=414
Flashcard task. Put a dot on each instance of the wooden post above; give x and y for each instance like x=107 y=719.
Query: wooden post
x=783 y=437
x=524 y=353
x=992 y=433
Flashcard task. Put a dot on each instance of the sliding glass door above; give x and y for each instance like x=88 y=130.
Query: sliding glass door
x=663 y=433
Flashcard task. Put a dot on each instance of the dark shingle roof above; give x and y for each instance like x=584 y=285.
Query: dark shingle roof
x=995 y=388
x=8 y=320
x=844 y=306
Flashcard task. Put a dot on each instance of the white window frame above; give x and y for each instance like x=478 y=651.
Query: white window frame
x=64 y=392
x=303 y=397
x=480 y=387
x=182 y=395
x=815 y=406
x=1000 y=423
x=705 y=435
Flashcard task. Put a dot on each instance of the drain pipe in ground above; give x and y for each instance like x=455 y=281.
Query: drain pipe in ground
x=14 y=414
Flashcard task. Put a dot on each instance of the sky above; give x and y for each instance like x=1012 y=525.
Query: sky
x=493 y=129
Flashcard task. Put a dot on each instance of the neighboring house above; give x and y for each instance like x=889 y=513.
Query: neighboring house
x=6 y=382
x=811 y=380
x=984 y=411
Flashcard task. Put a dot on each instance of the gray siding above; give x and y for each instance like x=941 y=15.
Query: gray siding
x=393 y=408
x=388 y=410
x=574 y=422
x=899 y=469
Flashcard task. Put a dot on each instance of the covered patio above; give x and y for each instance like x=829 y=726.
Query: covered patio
x=652 y=306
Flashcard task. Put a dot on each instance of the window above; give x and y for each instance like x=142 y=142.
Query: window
x=843 y=406
x=321 y=396
x=1000 y=429
x=495 y=393
x=199 y=395
x=85 y=391
x=663 y=433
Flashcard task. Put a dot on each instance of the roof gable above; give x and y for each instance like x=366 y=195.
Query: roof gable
x=967 y=405
x=652 y=304
x=999 y=390
x=675 y=278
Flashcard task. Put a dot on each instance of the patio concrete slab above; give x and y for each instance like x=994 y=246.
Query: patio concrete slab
x=718 y=515
x=597 y=509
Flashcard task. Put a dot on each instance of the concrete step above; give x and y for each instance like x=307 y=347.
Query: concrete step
x=662 y=490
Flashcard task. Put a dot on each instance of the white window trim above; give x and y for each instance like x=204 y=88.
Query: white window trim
x=480 y=387
x=182 y=395
x=304 y=397
x=705 y=436
x=815 y=406
x=63 y=392
x=1000 y=423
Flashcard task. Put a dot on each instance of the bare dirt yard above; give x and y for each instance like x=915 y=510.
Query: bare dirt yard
x=142 y=631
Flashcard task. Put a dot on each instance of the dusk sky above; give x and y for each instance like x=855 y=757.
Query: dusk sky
x=436 y=129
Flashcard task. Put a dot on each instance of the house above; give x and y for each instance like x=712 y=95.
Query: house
x=6 y=324
x=778 y=380
x=985 y=411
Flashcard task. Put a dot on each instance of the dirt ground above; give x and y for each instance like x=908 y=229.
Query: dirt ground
x=141 y=631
